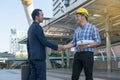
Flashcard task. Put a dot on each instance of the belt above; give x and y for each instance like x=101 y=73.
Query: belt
x=85 y=52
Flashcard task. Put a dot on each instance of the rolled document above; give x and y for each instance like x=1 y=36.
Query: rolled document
x=81 y=42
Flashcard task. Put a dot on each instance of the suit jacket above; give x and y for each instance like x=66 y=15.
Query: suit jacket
x=36 y=43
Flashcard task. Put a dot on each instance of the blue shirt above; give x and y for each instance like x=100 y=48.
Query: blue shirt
x=86 y=32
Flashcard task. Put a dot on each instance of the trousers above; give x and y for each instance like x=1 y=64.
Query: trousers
x=83 y=60
x=37 y=69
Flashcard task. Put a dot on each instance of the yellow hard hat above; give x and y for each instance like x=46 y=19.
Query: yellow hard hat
x=82 y=10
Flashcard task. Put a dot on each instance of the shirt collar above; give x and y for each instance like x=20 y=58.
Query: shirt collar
x=82 y=27
x=35 y=22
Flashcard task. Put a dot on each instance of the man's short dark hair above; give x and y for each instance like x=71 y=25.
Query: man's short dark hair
x=35 y=13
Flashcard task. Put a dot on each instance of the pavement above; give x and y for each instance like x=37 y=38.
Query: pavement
x=58 y=74
x=98 y=74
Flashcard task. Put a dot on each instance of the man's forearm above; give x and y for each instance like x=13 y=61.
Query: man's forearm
x=94 y=44
x=67 y=46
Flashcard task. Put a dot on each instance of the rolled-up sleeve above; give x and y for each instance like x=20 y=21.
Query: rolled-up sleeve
x=96 y=35
x=74 y=40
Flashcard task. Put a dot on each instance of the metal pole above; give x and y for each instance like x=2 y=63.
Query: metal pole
x=68 y=58
x=49 y=65
x=113 y=53
x=108 y=44
x=62 y=55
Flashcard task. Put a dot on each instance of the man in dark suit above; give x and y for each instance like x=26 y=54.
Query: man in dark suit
x=36 y=43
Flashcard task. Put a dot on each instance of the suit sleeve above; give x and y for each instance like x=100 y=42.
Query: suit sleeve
x=39 y=33
x=28 y=48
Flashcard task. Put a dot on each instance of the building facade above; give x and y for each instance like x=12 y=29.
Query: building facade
x=59 y=6
x=15 y=47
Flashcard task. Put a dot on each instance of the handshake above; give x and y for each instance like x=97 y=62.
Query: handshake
x=61 y=47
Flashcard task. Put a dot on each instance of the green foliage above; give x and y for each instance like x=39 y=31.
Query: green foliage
x=55 y=54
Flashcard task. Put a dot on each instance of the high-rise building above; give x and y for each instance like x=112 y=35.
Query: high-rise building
x=15 y=36
x=59 y=6
x=13 y=41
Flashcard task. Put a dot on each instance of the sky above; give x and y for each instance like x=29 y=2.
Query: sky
x=12 y=15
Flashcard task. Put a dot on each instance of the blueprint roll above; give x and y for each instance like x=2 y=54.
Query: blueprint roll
x=82 y=42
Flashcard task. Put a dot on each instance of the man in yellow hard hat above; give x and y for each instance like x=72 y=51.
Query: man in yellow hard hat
x=86 y=37
x=83 y=12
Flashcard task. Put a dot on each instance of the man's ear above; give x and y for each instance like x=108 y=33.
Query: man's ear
x=36 y=17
